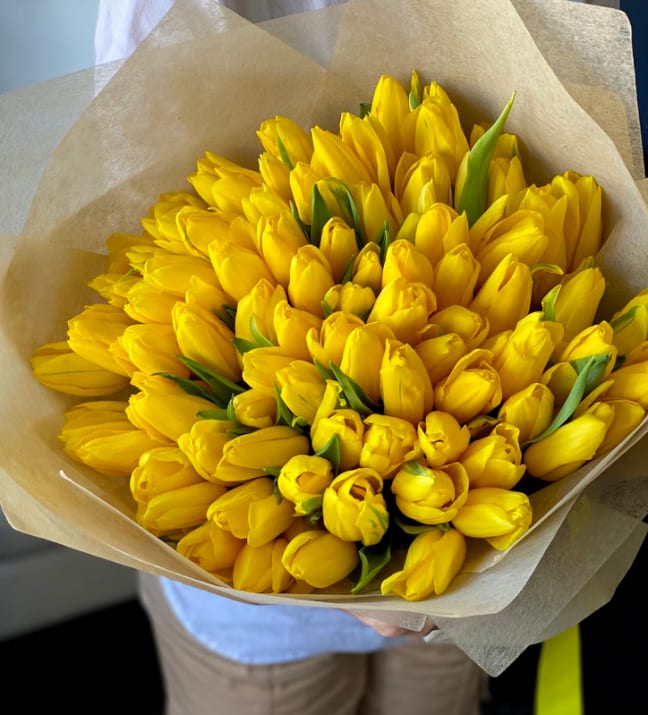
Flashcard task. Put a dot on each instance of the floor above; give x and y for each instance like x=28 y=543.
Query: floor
x=106 y=663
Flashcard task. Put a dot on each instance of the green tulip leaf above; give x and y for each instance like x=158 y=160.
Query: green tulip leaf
x=365 y=108
x=220 y=385
x=624 y=319
x=383 y=242
x=590 y=370
x=347 y=205
x=191 y=387
x=549 y=303
x=227 y=313
x=272 y=471
x=283 y=153
x=348 y=271
x=332 y=451
x=373 y=560
x=259 y=338
x=354 y=394
x=285 y=416
x=242 y=345
x=312 y=505
x=321 y=213
x=222 y=414
x=475 y=189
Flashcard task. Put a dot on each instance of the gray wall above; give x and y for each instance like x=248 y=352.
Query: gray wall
x=41 y=39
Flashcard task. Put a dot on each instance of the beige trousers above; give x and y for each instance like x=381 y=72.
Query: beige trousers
x=415 y=679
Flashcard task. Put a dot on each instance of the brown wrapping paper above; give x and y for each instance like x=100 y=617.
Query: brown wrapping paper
x=198 y=83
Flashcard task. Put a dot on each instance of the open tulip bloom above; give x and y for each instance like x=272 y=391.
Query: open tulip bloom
x=352 y=366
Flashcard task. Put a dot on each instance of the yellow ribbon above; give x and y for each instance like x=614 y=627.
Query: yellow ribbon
x=558 y=681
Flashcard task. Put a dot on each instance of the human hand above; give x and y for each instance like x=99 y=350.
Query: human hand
x=390 y=630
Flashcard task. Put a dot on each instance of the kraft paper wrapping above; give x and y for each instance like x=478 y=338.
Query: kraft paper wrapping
x=204 y=80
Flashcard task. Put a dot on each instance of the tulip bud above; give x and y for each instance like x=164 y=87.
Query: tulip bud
x=203 y=445
x=403 y=260
x=570 y=446
x=354 y=508
x=146 y=304
x=390 y=107
x=204 y=338
x=631 y=379
x=100 y=435
x=388 y=443
x=254 y=409
x=495 y=460
x=472 y=388
x=291 y=326
x=455 y=277
x=327 y=345
x=430 y=495
x=269 y=517
x=279 y=238
x=505 y=296
x=172 y=274
x=150 y=348
x=471 y=327
x=248 y=455
x=426 y=182
x=276 y=177
x=505 y=177
x=432 y=561
x=593 y=340
x=365 y=141
x=626 y=416
x=259 y=569
x=212 y=548
x=405 y=386
x=439 y=230
x=500 y=516
x=630 y=323
x=439 y=354
x=179 y=509
x=303 y=178
x=310 y=278
x=238 y=269
x=160 y=470
x=349 y=298
x=59 y=368
x=320 y=558
x=404 y=307
x=260 y=366
x=530 y=410
x=367 y=268
x=338 y=243
x=257 y=307
x=301 y=388
x=161 y=220
x=285 y=139
x=376 y=211
x=332 y=157
x=348 y=427
x=94 y=330
x=303 y=480
x=442 y=439
x=363 y=354
x=230 y=511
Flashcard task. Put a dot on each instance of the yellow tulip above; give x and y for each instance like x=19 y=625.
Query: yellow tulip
x=430 y=495
x=254 y=409
x=455 y=277
x=119 y=244
x=630 y=323
x=327 y=345
x=59 y=368
x=333 y=157
x=338 y=243
x=150 y=348
x=470 y=326
x=500 y=516
x=276 y=177
x=146 y=304
x=113 y=287
x=160 y=470
x=432 y=561
x=362 y=356
x=364 y=138
x=627 y=415
x=570 y=446
x=426 y=182
x=530 y=410
x=505 y=296
x=258 y=305
x=281 y=134
x=291 y=326
x=303 y=480
x=472 y=388
x=269 y=517
x=301 y=387
x=172 y=274
x=577 y=300
x=238 y=269
x=349 y=298
x=631 y=379
x=505 y=178
x=439 y=354
x=496 y=459
x=387 y=444
x=230 y=511
x=161 y=220
x=260 y=366
x=203 y=445
x=259 y=569
x=310 y=278
x=279 y=238
x=320 y=558
x=100 y=435
x=212 y=548
x=526 y=352
x=594 y=340
x=405 y=386
x=405 y=307
x=376 y=210
x=347 y=426
x=221 y=182
x=403 y=260
x=177 y=510
x=354 y=508
x=246 y=456
x=261 y=202
x=197 y=228
x=390 y=107
x=162 y=409
x=441 y=438
x=303 y=178
x=92 y=331
x=367 y=268
x=439 y=230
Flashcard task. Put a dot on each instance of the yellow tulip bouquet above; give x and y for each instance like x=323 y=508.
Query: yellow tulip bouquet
x=345 y=360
